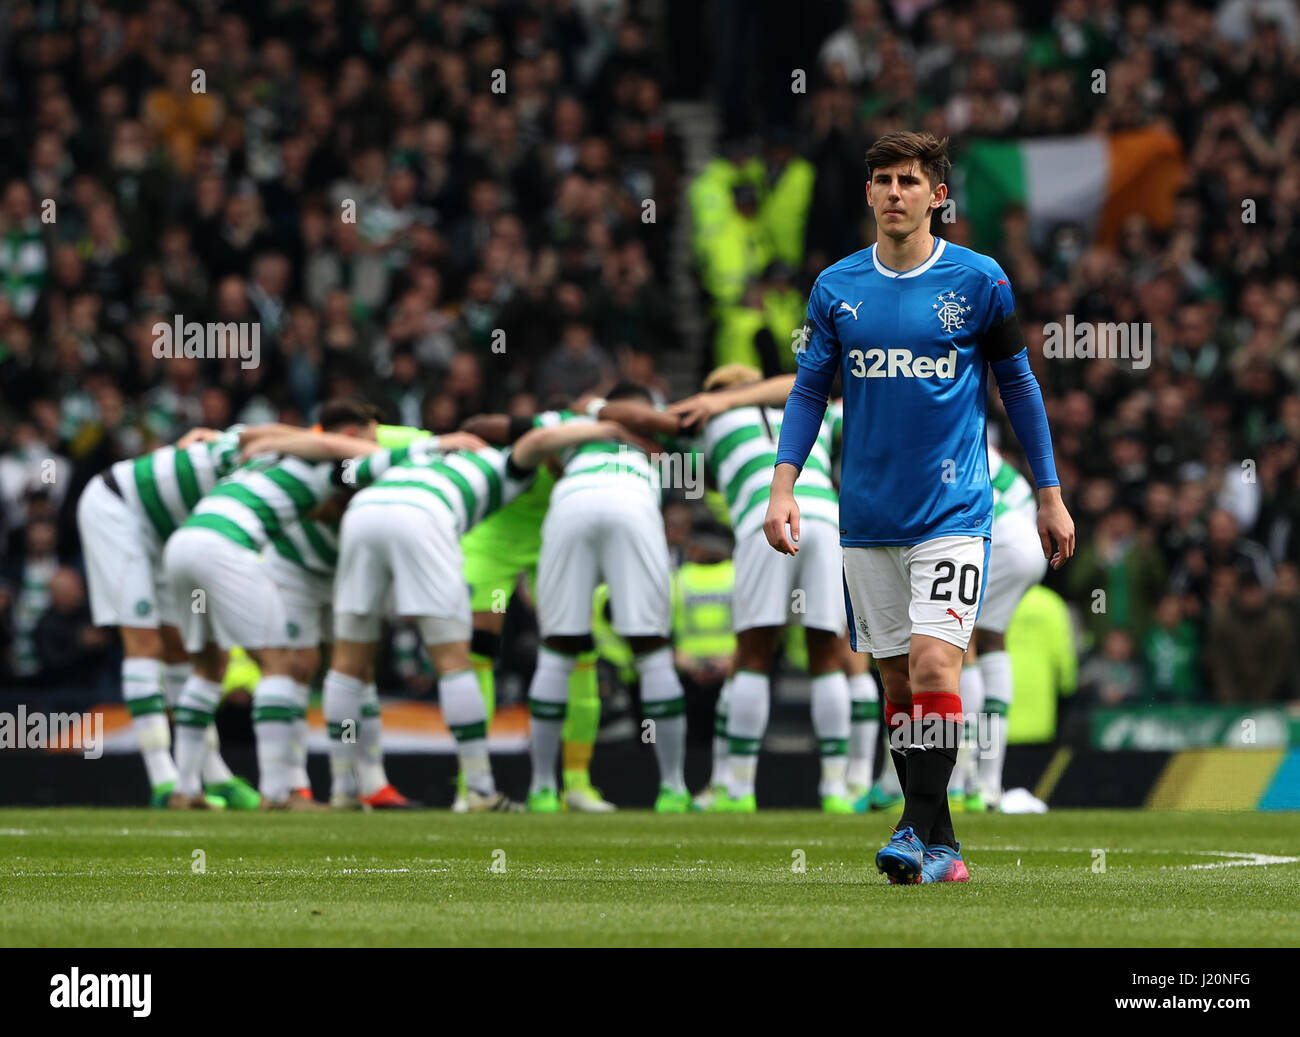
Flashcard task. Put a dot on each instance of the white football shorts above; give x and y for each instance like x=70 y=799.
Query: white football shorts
x=933 y=588
x=124 y=573
x=224 y=593
x=1016 y=563
x=773 y=589
x=604 y=535
x=403 y=559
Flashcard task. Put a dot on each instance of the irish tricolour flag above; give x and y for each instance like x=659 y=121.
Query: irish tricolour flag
x=1092 y=180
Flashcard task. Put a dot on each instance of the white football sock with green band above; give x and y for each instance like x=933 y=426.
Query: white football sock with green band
x=548 y=699
x=664 y=702
x=215 y=771
x=174 y=677
x=275 y=707
x=830 y=721
x=145 y=696
x=370 y=760
x=971 y=687
x=194 y=712
x=298 y=778
x=341 y=699
x=721 y=758
x=746 y=725
x=465 y=712
x=864 y=728
x=996 y=670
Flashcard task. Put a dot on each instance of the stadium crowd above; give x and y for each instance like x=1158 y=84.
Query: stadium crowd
x=497 y=157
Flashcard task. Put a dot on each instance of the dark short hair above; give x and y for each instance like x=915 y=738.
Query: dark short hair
x=906 y=146
x=337 y=413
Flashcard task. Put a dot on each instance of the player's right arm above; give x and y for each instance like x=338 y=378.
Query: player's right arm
x=310 y=446
x=641 y=418
x=497 y=429
x=697 y=409
x=197 y=435
x=1003 y=346
x=805 y=410
x=251 y=437
x=533 y=447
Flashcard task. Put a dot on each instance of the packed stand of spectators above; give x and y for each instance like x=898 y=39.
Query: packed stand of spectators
x=437 y=205
x=1183 y=477
x=442 y=205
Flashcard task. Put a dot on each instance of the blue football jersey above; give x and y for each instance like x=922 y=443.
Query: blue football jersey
x=914 y=459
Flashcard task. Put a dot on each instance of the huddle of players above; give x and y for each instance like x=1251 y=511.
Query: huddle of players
x=277 y=539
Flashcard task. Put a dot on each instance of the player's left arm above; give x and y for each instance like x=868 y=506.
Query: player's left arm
x=310 y=446
x=534 y=447
x=497 y=429
x=1003 y=346
x=251 y=436
x=197 y=435
x=641 y=418
x=697 y=409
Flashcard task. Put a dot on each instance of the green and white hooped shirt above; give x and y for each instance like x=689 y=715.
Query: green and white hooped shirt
x=607 y=465
x=265 y=504
x=469 y=484
x=165 y=485
x=1011 y=490
x=740 y=449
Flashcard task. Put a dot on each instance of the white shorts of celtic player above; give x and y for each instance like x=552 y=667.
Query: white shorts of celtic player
x=239 y=604
x=1016 y=563
x=774 y=589
x=307 y=598
x=603 y=535
x=123 y=562
x=404 y=558
x=932 y=588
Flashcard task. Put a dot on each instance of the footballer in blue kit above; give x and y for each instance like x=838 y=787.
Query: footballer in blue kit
x=913 y=325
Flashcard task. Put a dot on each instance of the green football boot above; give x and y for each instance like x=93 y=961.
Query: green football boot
x=160 y=794
x=975 y=803
x=238 y=794
x=705 y=799
x=836 y=805
x=726 y=804
x=670 y=802
x=543 y=801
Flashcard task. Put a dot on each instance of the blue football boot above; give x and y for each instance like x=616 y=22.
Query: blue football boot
x=943 y=864
x=902 y=858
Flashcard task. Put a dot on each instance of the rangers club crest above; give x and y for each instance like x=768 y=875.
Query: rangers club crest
x=951 y=309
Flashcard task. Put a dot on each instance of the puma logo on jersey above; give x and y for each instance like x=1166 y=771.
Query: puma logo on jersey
x=852 y=309
x=960 y=621
x=901 y=363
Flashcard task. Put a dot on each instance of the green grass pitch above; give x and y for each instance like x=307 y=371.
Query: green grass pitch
x=72 y=877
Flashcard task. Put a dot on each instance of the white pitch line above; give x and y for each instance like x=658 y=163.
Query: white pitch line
x=1237 y=858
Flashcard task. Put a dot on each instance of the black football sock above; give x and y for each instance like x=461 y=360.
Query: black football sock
x=928 y=771
x=900 y=768
x=941 y=828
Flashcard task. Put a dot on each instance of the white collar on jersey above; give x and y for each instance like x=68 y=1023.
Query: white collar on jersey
x=916 y=271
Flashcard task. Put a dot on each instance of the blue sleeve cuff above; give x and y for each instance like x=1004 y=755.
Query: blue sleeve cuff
x=804 y=412
x=1024 y=403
